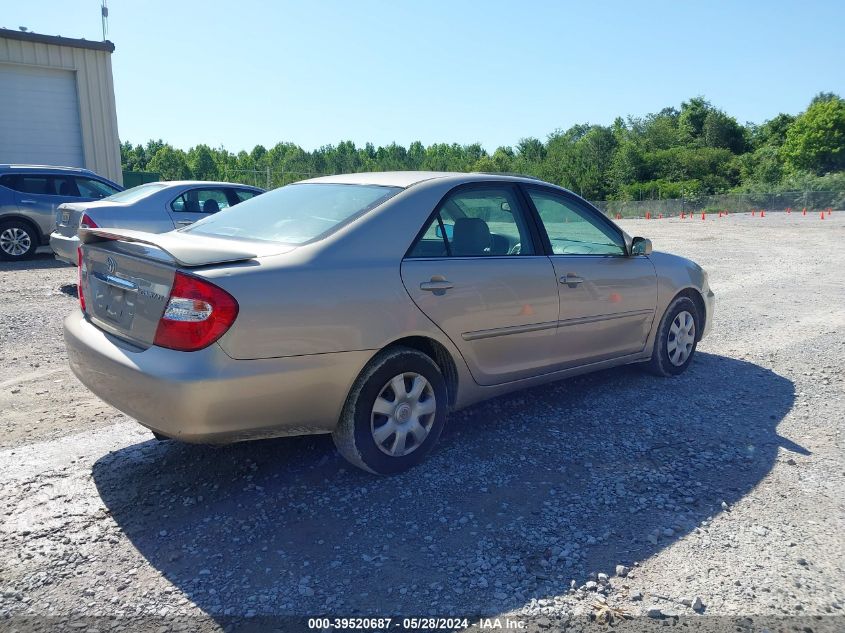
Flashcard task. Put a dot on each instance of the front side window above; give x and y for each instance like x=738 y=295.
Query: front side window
x=573 y=229
x=477 y=222
x=90 y=188
x=201 y=201
x=295 y=214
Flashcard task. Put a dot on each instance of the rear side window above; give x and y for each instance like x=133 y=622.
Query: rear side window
x=201 y=201
x=245 y=194
x=40 y=185
x=295 y=214
x=90 y=188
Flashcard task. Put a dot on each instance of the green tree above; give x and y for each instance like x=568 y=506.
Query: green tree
x=816 y=141
x=202 y=164
x=721 y=130
x=692 y=116
x=170 y=163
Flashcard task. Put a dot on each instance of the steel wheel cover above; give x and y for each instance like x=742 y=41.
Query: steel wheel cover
x=681 y=338
x=403 y=414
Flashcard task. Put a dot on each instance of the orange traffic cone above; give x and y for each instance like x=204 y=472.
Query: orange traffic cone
x=821 y=215
x=702 y=215
x=753 y=213
x=829 y=210
x=683 y=216
x=762 y=213
x=805 y=211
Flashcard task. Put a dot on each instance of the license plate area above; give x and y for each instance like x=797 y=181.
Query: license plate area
x=115 y=300
x=65 y=217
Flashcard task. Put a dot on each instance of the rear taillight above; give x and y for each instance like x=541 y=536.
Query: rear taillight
x=197 y=314
x=87 y=223
x=81 y=270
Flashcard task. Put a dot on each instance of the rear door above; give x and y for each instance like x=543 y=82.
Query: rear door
x=39 y=195
x=607 y=298
x=476 y=271
x=197 y=203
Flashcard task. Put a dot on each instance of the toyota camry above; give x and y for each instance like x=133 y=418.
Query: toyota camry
x=370 y=305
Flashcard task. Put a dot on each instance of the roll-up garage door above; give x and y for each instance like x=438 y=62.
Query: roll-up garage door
x=39 y=116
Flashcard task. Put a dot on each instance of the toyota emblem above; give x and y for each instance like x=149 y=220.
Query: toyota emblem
x=111 y=265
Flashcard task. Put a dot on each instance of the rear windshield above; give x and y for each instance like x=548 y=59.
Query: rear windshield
x=136 y=193
x=294 y=214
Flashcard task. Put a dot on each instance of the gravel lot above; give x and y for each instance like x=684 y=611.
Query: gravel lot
x=720 y=493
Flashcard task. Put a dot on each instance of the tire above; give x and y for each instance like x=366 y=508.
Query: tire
x=363 y=435
x=18 y=240
x=668 y=359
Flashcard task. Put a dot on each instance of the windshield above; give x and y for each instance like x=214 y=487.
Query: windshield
x=294 y=214
x=136 y=193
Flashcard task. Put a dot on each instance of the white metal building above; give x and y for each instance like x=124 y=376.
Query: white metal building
x=57 y=103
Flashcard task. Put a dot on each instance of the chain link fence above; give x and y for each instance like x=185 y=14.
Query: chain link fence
x=730 y=202
x=267 y=179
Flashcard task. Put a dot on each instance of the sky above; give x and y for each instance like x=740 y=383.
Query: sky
x=240 y=73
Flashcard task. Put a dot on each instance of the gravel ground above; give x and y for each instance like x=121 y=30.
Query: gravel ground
x=713 y=500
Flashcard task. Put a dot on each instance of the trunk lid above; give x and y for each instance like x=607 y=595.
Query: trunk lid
x=127 y=275
x=189 y=249
x=125 y=294
x=69 y=214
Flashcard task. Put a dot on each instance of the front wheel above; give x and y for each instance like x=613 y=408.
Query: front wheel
x=17 y=240
x=677 y=338
x=394 y=413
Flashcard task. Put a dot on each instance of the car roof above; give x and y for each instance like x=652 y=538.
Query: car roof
x=409 y=178
x=58 y=169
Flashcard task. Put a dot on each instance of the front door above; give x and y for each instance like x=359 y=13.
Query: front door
x=607 y=298
x=479 y=274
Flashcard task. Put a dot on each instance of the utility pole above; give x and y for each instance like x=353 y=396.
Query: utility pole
x=104 y=12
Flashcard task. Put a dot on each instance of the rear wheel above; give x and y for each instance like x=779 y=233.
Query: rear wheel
x=394 y=413
x=676 y=339
x=18 y=240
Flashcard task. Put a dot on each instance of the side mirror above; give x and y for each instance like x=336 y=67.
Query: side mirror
x=450 y=229
x=641 y=246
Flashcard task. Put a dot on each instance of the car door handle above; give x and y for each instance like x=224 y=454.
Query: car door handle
x=437 y=286
x=184 y=222
x=571 y=280
x=28 y=201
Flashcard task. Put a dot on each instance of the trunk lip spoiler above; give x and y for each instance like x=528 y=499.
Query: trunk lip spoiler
x=185 y=250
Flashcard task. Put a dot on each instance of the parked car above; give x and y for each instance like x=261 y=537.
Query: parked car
x=155 y=207
x=29 y=196
x=369 y=305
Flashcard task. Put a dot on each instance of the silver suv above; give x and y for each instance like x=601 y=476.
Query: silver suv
x=29 y=196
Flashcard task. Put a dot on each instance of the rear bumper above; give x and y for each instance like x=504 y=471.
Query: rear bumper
x=64 y=247
x=207 y=396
